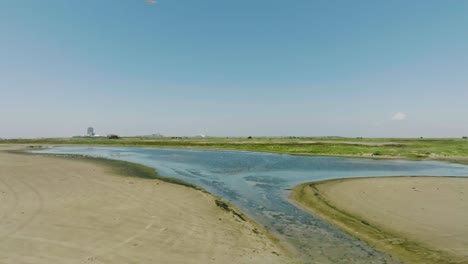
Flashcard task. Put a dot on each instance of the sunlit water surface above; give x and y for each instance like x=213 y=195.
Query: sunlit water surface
x=259 y=184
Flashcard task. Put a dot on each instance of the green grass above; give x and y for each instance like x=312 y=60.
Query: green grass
x=366 y=147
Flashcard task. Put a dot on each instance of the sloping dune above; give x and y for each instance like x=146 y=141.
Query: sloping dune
x=55 y=210
x=420 y=219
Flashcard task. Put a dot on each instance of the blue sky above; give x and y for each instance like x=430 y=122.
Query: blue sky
x=234 y=68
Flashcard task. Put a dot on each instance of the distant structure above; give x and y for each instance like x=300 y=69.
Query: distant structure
x=157 y=135
x=90 y=132
x=113 y=136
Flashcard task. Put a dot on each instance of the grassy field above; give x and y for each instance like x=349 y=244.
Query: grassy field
x=336 y=146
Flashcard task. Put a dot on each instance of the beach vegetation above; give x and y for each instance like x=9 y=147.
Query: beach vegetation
x=412 y=148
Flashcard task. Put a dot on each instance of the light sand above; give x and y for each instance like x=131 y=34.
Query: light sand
x=421 y=219
x=55 y=210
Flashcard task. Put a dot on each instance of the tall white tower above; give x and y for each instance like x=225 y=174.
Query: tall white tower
x=90 y=132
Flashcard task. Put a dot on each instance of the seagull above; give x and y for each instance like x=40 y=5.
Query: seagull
x=151 y=2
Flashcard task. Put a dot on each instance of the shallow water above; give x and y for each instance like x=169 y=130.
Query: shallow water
x=258 y=184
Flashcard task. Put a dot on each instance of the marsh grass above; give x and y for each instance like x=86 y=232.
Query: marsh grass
x=225 y=206
x=334 y=146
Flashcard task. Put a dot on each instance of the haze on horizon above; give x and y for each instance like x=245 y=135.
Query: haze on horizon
x=234 y=68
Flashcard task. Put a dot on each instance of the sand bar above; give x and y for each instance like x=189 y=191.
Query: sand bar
x=56 y=210
x=418 y=219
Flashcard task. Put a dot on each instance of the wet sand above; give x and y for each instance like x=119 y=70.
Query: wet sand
x=56 y=210
x=418 y=219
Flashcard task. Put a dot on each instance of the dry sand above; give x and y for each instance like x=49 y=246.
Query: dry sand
x=420 y=219
x=56 y=210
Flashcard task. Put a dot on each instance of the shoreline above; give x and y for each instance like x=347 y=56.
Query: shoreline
x=463 y=160
x=142 y=174
x=226 y=206
x=320 y=199
x=131 y=169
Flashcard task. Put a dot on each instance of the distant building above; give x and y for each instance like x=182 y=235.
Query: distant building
x=113 y=136
x=90 y=132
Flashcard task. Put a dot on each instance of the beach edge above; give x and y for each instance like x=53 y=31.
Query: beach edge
x=308 y=197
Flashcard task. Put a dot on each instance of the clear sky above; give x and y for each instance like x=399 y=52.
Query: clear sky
x=234 y=68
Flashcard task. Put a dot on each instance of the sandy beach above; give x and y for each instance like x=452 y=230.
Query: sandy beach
x=57 y=210
x=418 y=219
